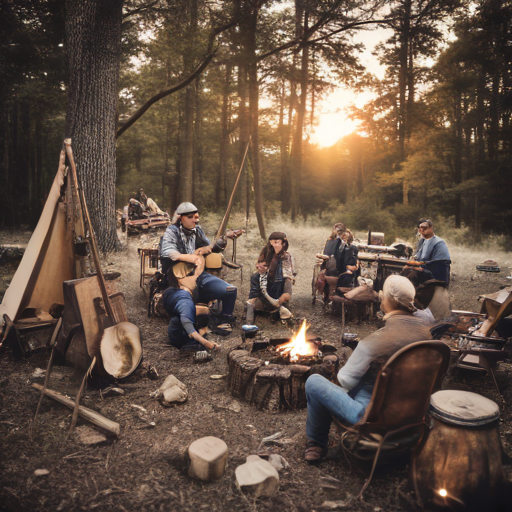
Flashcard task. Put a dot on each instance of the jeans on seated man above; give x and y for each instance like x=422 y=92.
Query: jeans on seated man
x=186 y=330
x=185 y=241
x=348 y=401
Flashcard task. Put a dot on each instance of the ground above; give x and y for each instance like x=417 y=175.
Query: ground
x=144 y=469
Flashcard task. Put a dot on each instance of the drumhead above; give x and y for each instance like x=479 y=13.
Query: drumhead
x=463 y=408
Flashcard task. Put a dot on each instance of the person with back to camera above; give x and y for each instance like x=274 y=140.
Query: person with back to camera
x=348 y=401
x=433 y=252
x=185 y=241
x=186 y=328
x=271 y=285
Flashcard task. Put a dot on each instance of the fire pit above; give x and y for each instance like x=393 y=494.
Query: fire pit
x=271 y=373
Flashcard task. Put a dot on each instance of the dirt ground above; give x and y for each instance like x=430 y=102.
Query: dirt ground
x=144 y=469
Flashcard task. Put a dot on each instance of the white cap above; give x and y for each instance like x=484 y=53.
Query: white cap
x=185 y=208
x=401 y=290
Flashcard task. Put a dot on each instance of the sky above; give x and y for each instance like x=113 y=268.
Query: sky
x=332 y=112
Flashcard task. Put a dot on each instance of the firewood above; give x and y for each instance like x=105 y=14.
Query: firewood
x=268 y=384
x=88 y=414
x=208 y=458
x=242 y=369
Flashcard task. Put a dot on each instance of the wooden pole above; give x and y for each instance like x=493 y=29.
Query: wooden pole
x=94 y=246
x=224 y=223
x=92 y=416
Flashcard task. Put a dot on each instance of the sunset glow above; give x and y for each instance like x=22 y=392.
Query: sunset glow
x=332 y=127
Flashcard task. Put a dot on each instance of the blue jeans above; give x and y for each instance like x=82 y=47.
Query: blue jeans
x=327 y=400
x=212 y=288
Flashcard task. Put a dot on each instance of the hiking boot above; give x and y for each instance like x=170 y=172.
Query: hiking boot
x=314 y=453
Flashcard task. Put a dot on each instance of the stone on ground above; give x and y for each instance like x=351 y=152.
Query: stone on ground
x=172 y=391
x=208 y=458
x=257 y=477
x=88 y=436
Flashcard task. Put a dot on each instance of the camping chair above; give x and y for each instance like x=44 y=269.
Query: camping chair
x=394 y=421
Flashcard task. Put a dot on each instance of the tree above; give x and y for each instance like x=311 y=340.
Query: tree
x=93 y=42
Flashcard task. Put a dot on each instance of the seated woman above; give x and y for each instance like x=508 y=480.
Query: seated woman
x=333 y=249
x=347 y=265
x=357 y=378
x=271 y=285
x=185 y=329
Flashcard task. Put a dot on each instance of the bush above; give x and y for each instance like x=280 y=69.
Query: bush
x=366 y=213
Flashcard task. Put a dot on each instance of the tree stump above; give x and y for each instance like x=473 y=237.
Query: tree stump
x=208 y=458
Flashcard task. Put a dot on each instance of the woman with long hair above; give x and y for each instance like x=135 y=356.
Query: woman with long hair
x=271 y=285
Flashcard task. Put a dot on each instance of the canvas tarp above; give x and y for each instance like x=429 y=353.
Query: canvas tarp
x=48 y=260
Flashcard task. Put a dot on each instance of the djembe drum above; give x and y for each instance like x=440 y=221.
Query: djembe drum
x=459 y=465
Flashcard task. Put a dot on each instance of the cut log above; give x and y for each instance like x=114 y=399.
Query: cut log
x=242 y=369
x=88 y=414
x=257 y=477
x=208 y=458
x=268 y=387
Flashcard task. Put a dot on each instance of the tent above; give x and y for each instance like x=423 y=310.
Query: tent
x=48 y=260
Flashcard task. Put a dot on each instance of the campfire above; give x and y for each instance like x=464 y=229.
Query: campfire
x=298 y=348
x=271 y=373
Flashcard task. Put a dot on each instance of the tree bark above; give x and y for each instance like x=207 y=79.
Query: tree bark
x=296 y=150
x=254 y=125
x=93 y=40
x=221 y=191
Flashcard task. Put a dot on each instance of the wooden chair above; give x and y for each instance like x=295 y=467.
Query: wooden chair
x=394 y=421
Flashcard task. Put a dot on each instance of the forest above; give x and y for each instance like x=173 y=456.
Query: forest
x=170 y=94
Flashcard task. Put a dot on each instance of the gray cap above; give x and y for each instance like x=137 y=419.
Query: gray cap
x=185 y=208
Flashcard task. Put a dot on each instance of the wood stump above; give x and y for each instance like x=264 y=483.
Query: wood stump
x=268 y=386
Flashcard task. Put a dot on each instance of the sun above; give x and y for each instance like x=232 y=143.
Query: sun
x=333 y=126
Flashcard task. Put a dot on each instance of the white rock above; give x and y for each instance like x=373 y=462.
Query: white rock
x=208 y=458
x=88 y=436
x=252 y=458
x=171 y=391
x=277 y=461
x=334 y=505
x=234 y=406
x=41 y=472
x=258 y=477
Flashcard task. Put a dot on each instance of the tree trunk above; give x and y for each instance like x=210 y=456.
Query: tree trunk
x=254 y=121
x=221 y=199
x=284 y=139
x=93 y=40
x=405 y=27
x=198 y=142
x=457 y=177
x=296 y=151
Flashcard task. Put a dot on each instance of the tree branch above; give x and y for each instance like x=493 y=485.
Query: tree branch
x=127 y=14
x=162 y=94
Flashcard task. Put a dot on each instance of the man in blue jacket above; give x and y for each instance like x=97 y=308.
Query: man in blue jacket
x=433 y=252
x=184 y=240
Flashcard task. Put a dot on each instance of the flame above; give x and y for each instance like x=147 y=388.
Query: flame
x=298 y=345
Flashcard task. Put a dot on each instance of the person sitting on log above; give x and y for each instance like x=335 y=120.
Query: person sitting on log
x=271 y=285
x=347 y=264
x=135 y=208
x=184 y=240
x=186 y=329
x=348 y=401
x=142 y=198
